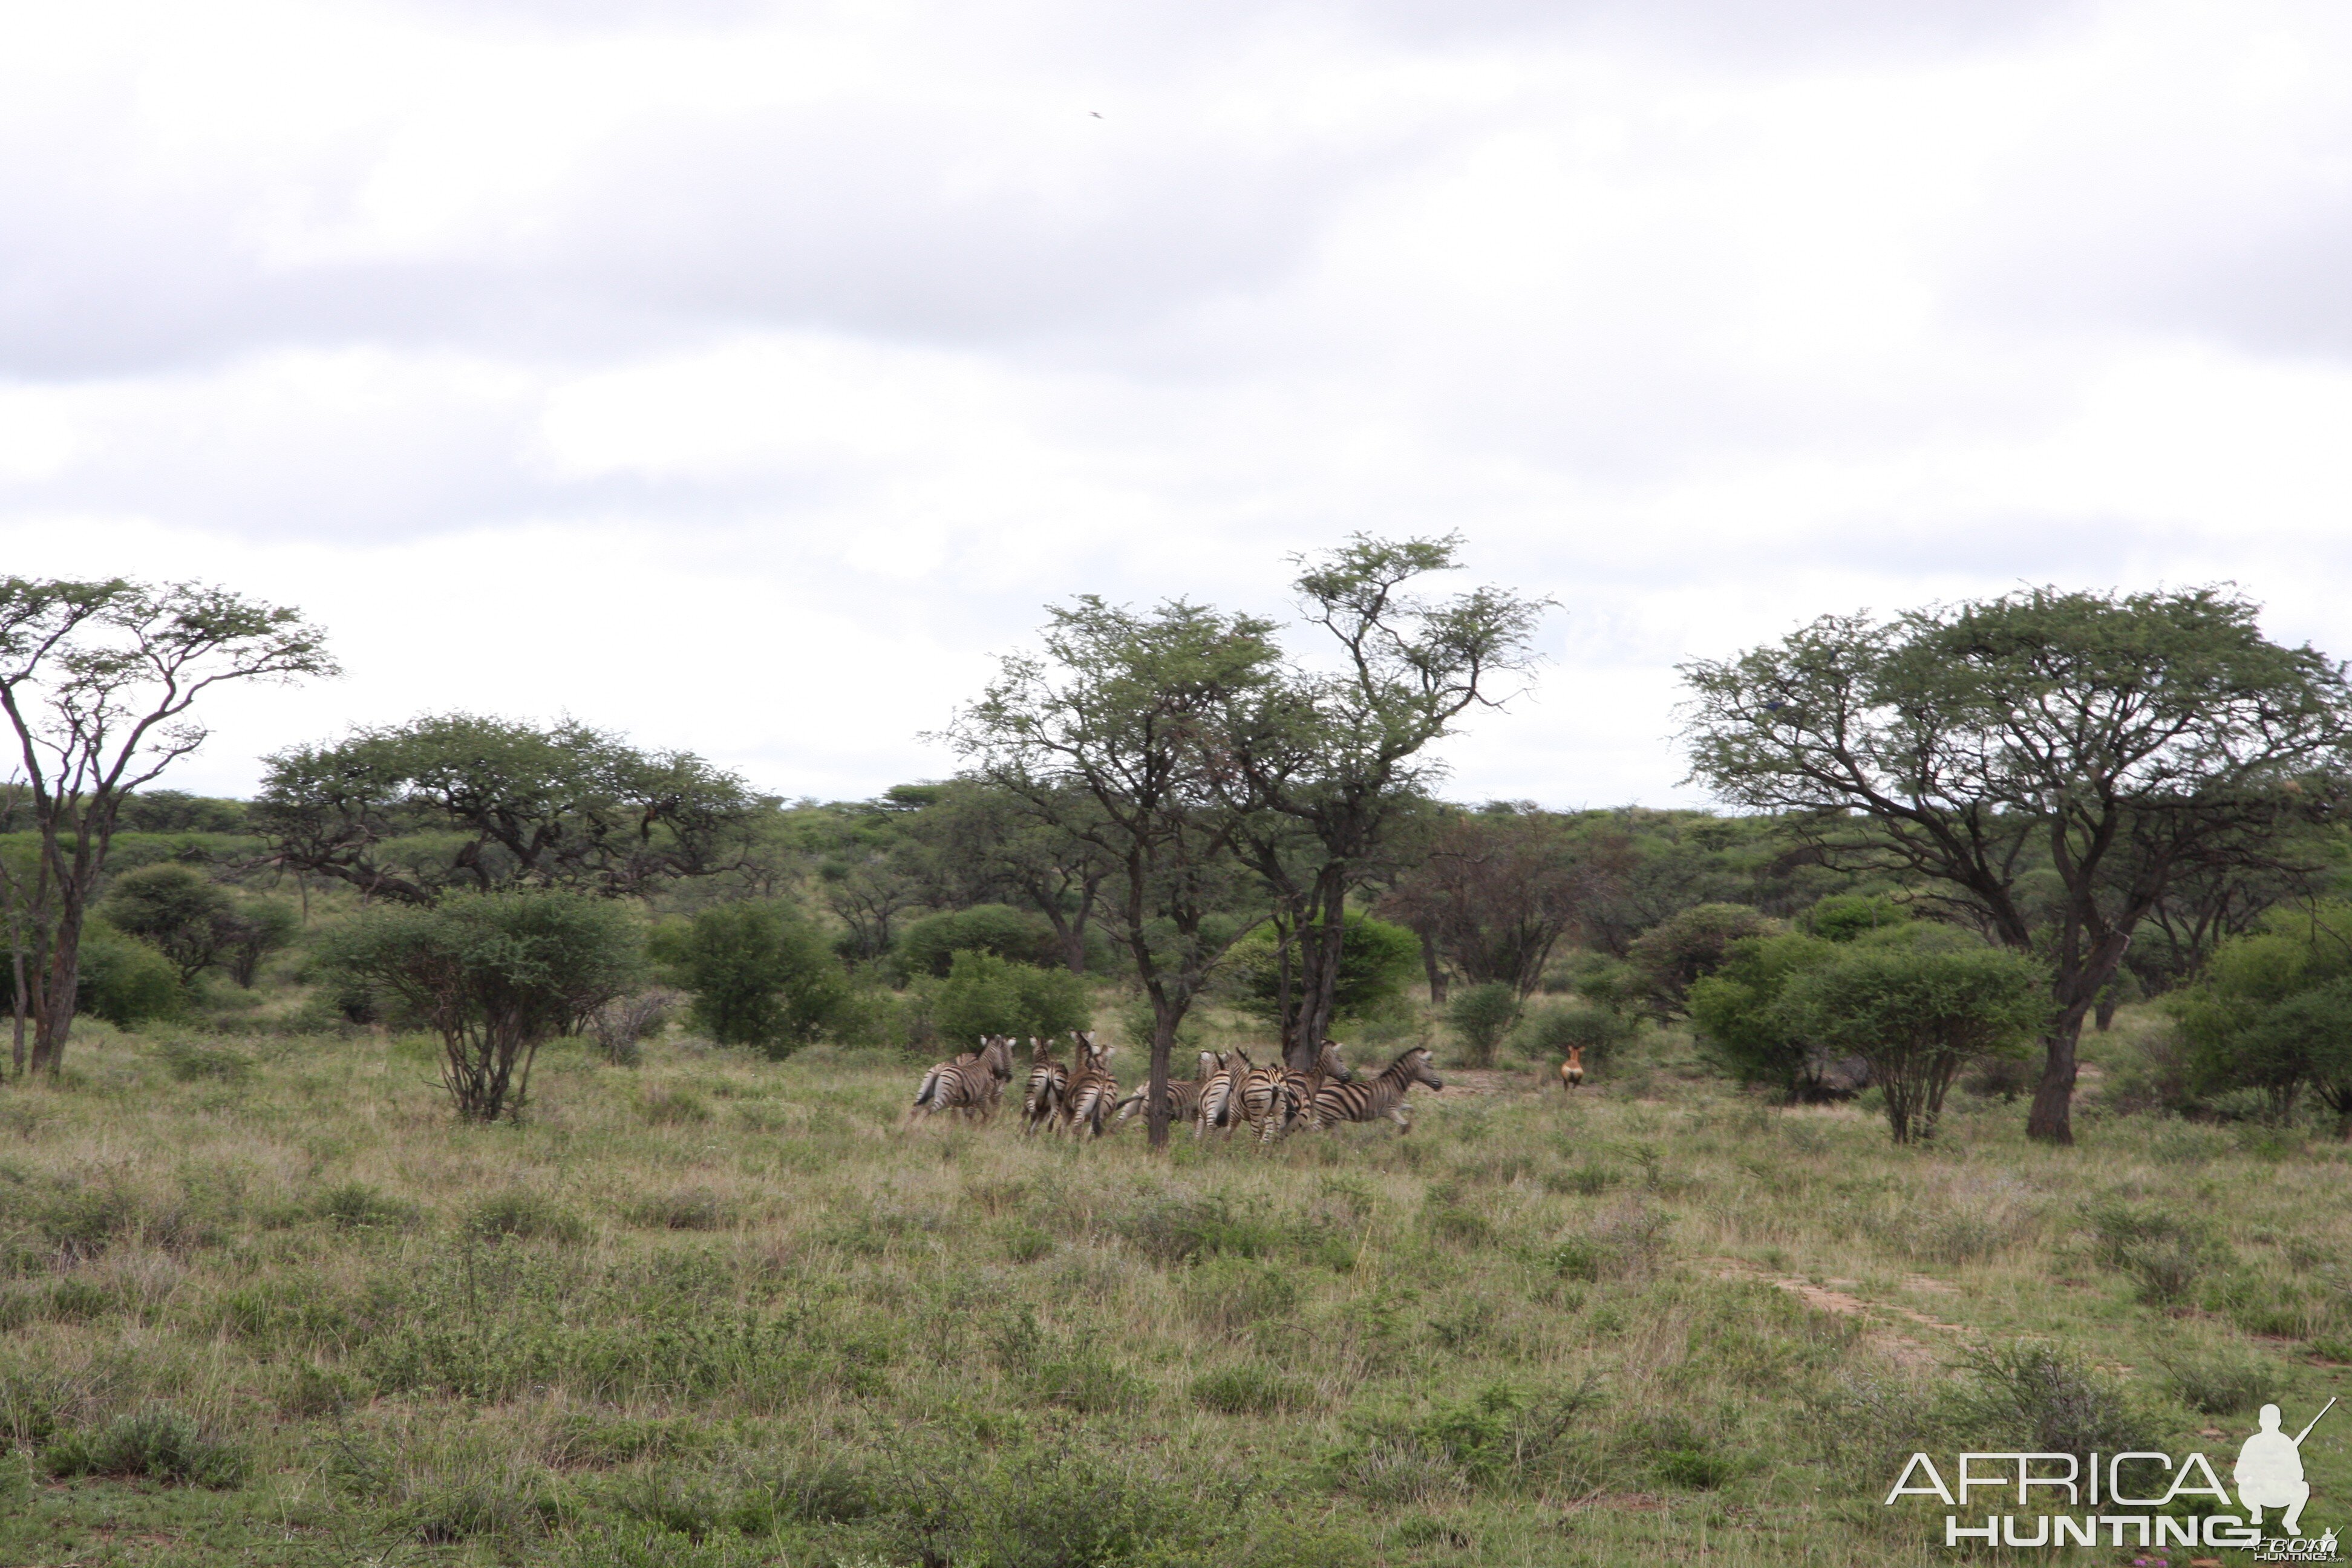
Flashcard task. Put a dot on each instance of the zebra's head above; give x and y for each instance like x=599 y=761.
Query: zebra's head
x=1418 y=1065
x=1211 y=1062
x=997 y=1052
x=1329 y=1064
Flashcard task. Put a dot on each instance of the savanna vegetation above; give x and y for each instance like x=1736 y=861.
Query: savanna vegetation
x=488 y=1143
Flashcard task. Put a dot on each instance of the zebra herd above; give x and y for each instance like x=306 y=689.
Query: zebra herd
x=1080 y=1097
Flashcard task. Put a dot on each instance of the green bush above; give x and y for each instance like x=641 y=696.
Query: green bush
x=122 y=980
x=495 y=975
x=1678 y=951
x=761 y=975
x=1737 y=1014
x=1481 y=1015
x=157 y=1443
x=1545 y=1032
x=1378 y=962
x=984 y=994
x=1919 y=1013
x=1843 y=916
x=929 y=946
x=1255 y=1389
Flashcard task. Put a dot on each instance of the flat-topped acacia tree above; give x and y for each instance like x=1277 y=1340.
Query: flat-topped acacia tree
x=100 y=680
x=2111 y=745
x=1110 y=738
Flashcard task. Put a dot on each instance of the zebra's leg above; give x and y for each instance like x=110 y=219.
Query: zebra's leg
x=1398 y=1114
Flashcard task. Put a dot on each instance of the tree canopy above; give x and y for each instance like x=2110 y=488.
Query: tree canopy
x=2108 y=745
x=409 y=811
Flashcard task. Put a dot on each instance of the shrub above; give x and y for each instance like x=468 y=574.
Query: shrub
x=761 y=975
x=178 y=911
x=1178 y=1230
x=1254 y=1389
x=984 y=994
x=1741 y=1025
x=158 y=1442
x=122 y=980
x=2045 y=1400
x=1843 y=916
x=189 y=1062
x=1085 y=1380
x=1675 y=953
x=494 y=974
x=621 y=1026
x=354 y=1206
x=2218 y=1379
x=2168 y=1254
x=929 y=945
x=1378 y=962
x=1229 y=1295
x=1547 y=1032
x=1481 y=1015
x=694 y=1208
x=1918 y=1015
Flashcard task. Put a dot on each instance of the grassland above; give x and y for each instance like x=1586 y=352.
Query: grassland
x=265 y=1302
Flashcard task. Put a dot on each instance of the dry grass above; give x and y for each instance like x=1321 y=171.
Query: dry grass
x=713 y=1310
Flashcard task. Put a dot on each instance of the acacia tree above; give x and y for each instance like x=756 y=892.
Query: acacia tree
x=2108 y=745
x=1326 y=763
x=494 y=974
x=99 y=681
x=983 y=844
x=1111 y=737
x=408 y=811
x=1496 y=891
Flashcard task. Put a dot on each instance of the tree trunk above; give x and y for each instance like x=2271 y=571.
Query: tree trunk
x=52 y=1018
x=1435 y=969
x=1165 y=1017
x=2051 y=1119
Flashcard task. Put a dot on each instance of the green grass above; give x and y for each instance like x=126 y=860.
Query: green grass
x=271 y=1303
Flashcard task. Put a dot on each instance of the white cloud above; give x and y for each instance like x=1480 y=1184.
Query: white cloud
x=744 y=375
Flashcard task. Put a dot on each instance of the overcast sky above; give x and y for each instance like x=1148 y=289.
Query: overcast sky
x=745 y=376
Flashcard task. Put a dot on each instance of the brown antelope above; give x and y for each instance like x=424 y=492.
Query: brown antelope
x=1571 y=1072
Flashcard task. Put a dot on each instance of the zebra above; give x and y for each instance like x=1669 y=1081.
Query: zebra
x=1571 y=1072
x=1184 y=1094
x=1218 y=1103
x=1092 y=1090
x=1048 y=1081
x=1379 y=1095
x=1273 y=1097
x=970 y=1084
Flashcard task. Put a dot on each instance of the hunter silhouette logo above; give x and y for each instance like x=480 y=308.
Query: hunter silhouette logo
x=2136 y=1499
x=2269 y=1472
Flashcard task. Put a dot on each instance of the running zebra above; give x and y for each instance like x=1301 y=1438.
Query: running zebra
x=970 y=1085
x=1377 y=1096
x=1184 y=1094
x=1220 y=1100
x=1274 y=1097
x=1093 y=1090
x=1048 y=1081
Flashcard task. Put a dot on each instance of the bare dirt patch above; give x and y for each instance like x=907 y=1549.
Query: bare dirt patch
x=1827 y=1298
